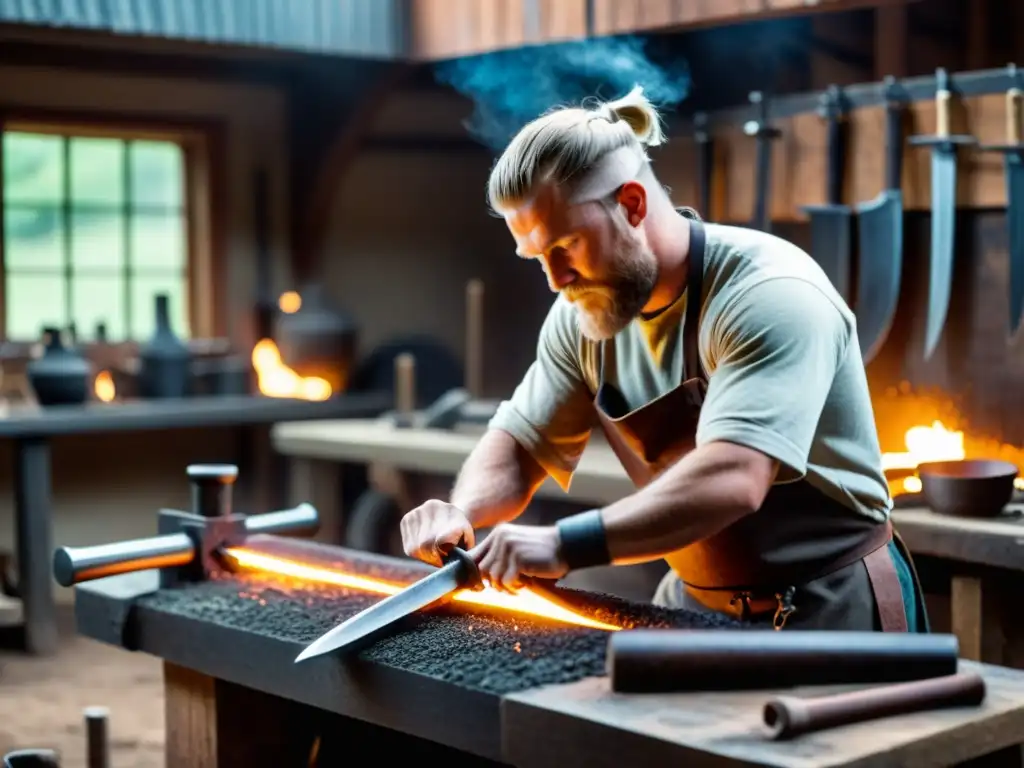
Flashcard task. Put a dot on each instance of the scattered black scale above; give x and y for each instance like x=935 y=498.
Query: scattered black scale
x=495 y=652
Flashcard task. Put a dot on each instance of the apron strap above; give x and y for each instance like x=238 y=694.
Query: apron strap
x=885 y=583
x=694 y=293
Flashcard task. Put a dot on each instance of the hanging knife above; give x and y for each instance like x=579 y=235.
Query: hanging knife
x=944 y=148
x=880 y=238
x=831 y=224
x=705 y=162
x=458 y=572
x=765 y=135
x=1013 y=151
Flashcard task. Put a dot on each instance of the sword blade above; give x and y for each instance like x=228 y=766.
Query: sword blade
x=940 y=278
x=880 y=263
x=831 y=229
x=1015 y=224
x=426 y=592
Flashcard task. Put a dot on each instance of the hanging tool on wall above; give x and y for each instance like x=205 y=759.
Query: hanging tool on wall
x=880 y=237
x=705 y=163
x=832 y=223
x=765 y=134
x=1013 y=151
x=944 y=147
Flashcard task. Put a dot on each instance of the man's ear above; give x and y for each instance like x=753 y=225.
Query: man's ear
x=633 y=198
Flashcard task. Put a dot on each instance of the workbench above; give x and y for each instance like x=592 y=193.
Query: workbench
x=32 y=427
x=452 y=687
x=986 y=557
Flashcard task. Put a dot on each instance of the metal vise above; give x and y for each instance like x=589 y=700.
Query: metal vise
x=189 y=544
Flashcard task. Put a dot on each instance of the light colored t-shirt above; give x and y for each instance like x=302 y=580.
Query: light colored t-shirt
x=780 y=349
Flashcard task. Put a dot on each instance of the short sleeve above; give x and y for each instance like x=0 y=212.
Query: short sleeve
x=551 y=412
x=777 y=346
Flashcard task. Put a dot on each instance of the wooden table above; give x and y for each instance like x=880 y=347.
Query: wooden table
x=32 y=427
x=982 y=552
x=235 y=697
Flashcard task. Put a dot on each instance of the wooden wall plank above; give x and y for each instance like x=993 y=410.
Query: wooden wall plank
x=447 y=28
x=799 y=161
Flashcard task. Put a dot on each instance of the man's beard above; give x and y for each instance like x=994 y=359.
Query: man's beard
x=603 y=309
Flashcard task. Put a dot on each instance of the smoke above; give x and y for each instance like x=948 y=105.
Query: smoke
x=511 y=87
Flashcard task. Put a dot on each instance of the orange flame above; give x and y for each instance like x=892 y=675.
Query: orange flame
x=942 y=441
x=523 y=601
x=289 y=302
x=104 y=388
x=275 y=379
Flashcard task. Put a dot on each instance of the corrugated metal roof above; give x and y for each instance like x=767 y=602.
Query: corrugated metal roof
x=370 y=28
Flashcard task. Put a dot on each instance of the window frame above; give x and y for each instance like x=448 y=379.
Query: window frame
x=202 y=143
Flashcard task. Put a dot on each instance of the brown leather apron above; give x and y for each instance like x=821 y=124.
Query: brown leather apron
x=758 y=566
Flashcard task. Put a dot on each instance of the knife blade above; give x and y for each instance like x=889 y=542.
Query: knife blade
x=1013 y=151
x=880 y=236
x=831 y=223
x=458 y=572
x=944 y=148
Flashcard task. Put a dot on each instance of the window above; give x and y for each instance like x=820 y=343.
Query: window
x=94 y=226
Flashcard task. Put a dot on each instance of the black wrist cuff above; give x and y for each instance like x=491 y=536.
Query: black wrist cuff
x=583 y=540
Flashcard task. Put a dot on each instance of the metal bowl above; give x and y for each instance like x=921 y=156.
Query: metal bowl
x=969 y=488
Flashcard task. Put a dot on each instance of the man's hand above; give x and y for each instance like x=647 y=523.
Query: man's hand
x=433 y=528
x=511 y=551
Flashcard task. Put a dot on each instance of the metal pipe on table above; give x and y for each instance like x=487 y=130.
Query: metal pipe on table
x=667 y=660
x=73 y=565
x=788 y=716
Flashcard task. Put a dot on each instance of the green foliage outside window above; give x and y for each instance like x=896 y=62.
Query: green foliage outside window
x=93 y=229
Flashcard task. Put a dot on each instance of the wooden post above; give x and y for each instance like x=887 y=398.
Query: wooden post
x=405 y=384
x=211 y=723
x=891 y=40
x=475 y=338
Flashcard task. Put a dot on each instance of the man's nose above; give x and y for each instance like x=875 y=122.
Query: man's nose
x=559 y=275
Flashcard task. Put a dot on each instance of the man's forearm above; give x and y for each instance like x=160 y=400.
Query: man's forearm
x=497 y=480
x=706 y=491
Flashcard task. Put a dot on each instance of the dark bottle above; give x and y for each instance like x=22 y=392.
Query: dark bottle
x=61 y=375
x=165 y=360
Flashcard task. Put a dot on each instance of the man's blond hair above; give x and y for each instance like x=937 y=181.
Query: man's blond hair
x=564 y=144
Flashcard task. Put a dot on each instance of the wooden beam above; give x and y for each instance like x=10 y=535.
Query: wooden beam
x=891 y=32
x=325 y=168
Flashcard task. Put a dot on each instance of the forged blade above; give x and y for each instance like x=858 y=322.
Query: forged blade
x=1015 y=224
x=831 y=230
x=880 y=232
x=380 y=616
x=940 y=278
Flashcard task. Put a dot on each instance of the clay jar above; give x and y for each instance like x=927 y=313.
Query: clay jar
x=61 y=375
x=318 y=340
x=165 y=360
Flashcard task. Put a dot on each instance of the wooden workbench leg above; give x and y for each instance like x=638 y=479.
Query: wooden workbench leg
x=33 y=512
x=319 y=483
x=211 y=723
x=976 y=618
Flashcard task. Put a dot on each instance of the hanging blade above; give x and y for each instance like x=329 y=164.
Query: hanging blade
x=1013 y=150
x=832 y=223
x=764 y=135
x=880 y=236
x=705 y=163
x=459 y=572
x=944 y=148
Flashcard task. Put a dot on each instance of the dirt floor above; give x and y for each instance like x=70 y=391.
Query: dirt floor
x=42 y=701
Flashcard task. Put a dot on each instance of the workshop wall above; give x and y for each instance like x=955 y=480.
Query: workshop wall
x=109 y=487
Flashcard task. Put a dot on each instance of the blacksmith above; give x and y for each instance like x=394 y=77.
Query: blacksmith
x=725 y=372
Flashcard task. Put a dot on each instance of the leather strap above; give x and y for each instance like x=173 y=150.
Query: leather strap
x=885 y=583
x=694 y=294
